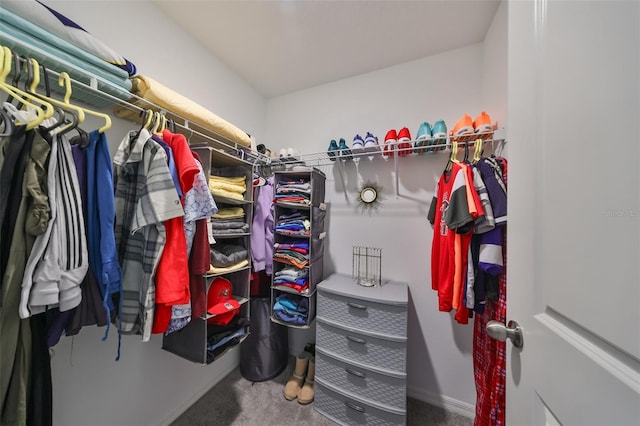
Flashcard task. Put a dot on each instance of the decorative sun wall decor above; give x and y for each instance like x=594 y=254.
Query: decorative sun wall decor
x=369 y=197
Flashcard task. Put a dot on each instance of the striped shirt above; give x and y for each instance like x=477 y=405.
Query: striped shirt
x=145 y=197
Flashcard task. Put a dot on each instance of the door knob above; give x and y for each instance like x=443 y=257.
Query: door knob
x=499 y=331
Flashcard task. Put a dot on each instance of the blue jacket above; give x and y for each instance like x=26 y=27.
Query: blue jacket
x=103 y=256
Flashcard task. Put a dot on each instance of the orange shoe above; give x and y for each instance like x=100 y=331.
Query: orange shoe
x=404 y=142
x=482 y=123
x=464 y=126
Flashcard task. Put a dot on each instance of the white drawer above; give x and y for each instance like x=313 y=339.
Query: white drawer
x=346 y=409
x=383 y=389
x=363 y=314
x=350 y=344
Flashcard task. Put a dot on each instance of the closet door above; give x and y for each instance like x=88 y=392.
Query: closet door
x=574 y=213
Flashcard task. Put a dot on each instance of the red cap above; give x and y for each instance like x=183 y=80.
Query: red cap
x=220 y=303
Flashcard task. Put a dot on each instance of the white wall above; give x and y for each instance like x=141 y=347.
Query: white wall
x=148 y=386
x=467 y=80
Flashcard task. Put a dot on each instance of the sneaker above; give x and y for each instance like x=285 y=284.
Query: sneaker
x=422 y=138
x=464 y=126
x=358 y=142
x=404 y=142
x=389 y=143
x=482 y=123
x=345 y=152
x=333 y=146
x=439 y=133
x=370 y=141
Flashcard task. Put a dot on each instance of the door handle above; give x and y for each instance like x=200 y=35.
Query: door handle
x=499 y=331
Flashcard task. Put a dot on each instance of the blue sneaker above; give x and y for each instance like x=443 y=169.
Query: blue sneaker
x=423 y=138
x=345 y=152
x=358 y=142
x=333 y=146
x=371 y=143
x=439 y=133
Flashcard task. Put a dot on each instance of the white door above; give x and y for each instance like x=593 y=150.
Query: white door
x=574 y=212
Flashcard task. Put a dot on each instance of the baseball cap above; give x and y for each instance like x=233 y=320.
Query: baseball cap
x=220 y=303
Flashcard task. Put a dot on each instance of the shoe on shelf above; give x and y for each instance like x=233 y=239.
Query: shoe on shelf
x=296 y=381
x=389 y=143
x=345 y=152
x=464 y=126
x=370 y=141
x=358 y=143
x=404 y=142
x=333 y=146
x=423 y=138
x=307 y=392
x=482 y=123
x=439 y=133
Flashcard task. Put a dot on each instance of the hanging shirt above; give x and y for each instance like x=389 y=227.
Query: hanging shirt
x=145 y=197
x=65 y=261
x=449 y=211
x=198 y=204
x=262 y=231
x=172 y=278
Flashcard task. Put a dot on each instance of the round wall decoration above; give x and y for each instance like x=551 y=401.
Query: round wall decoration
x=369 y=197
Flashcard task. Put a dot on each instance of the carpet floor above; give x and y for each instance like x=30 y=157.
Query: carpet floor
x=235 y=401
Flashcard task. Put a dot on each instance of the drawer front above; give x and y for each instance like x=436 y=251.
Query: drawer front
x=362 y=314
x=349 y=345
x=386 y=390
x=347 y=411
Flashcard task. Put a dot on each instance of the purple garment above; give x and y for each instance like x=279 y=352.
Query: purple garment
x=262 y=231
x=173 y=170
x=497 y=196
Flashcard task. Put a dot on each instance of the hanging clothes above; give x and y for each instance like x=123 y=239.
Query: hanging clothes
x=145 y=198
x=489 y=355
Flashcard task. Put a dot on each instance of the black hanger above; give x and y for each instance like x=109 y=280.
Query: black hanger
x=47 y=89
x=17 y=74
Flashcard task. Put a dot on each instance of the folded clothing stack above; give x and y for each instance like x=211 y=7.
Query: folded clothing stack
x=228 y=257
x=293 y=191
x=292 y=309
x=294 y=253
x=295 y=278
x=230 y=187
x=294 y=224
x=229 y=221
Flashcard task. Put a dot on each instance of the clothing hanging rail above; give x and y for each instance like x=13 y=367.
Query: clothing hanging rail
x=99 y=92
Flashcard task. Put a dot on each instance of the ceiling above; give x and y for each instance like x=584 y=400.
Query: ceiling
x=281 y=46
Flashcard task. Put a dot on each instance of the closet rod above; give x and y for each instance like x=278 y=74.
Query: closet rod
x=189 y=129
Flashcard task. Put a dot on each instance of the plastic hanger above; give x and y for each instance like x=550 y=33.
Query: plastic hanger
x=147 y=120
x=65 y=80
x=41 y=108
x=477 y=153
x=157 y=123
x=76 y=112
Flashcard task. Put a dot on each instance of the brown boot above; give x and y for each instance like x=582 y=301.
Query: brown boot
x=306 y=393
x=297 y=378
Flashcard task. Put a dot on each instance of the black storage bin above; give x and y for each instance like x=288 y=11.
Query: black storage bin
x=265 y=352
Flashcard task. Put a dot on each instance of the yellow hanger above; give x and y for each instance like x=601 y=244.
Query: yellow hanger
x=42 y=109
x=477 y=153
x=454 y=152
x=65 y=80
x=157 y=121
x=148 y=119
x=65 y=105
